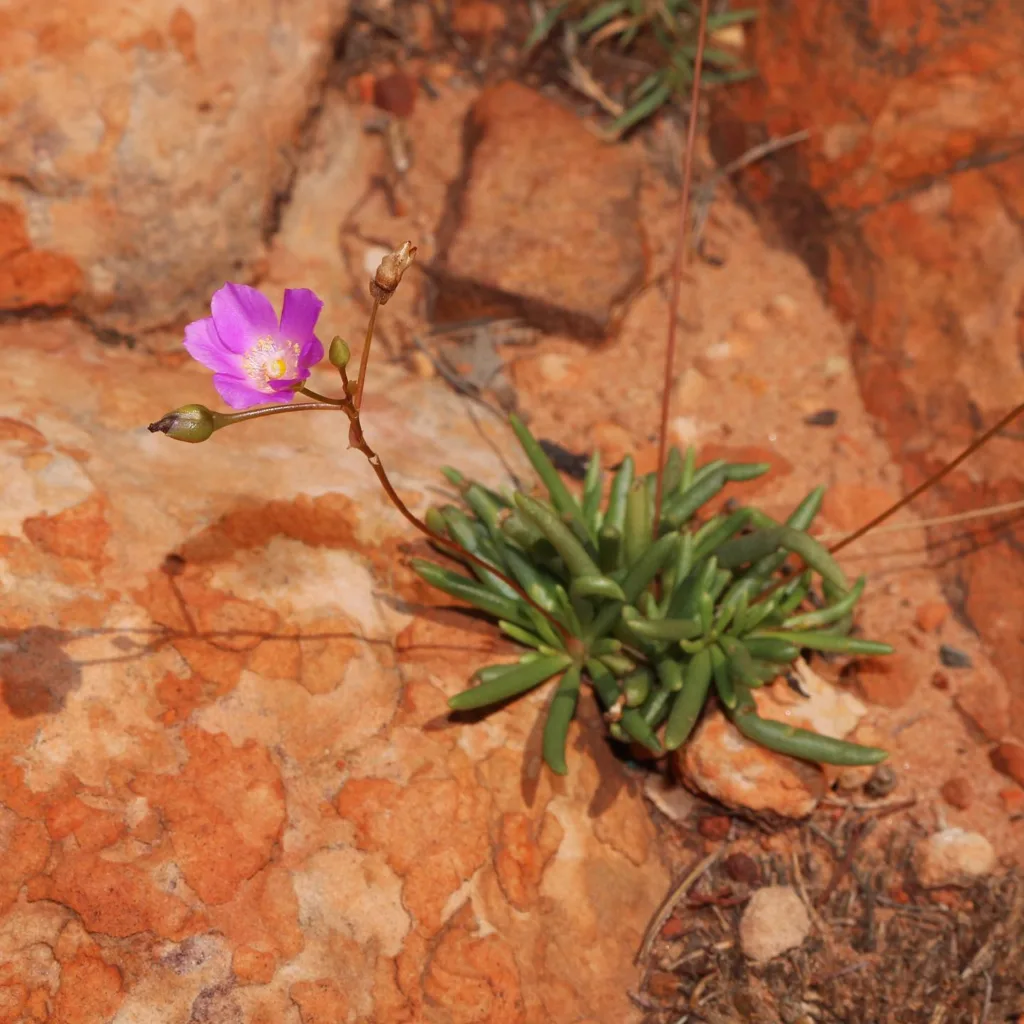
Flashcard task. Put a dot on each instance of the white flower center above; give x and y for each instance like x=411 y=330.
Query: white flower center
x=270 y=359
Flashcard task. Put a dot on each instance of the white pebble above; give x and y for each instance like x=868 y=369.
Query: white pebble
x=774 y=920
x=953 y=857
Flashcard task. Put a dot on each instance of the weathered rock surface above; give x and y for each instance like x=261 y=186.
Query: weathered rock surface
x=143 y=147
x=906 y=203
x=544 y=222
x=229 y=790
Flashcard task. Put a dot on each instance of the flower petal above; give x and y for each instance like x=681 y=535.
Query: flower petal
x=309 y=355
x=241 y=315
x=239 y=394
x=299 y=314
x=203 y=343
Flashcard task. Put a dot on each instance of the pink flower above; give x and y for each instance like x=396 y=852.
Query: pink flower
x=254 y=357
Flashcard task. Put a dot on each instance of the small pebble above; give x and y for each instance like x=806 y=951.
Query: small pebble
x=882 y=782
x=953 y=657
x=957 y=793
x=673 y=928
x=953 y=857
x=785 y=307
x=822 y=418
x=422 y=365
x=396 y=93
x=931 y=615
x=940 y=680
x=715 y=827
x=741 y=867
x=774 y=921
x=1013 y=800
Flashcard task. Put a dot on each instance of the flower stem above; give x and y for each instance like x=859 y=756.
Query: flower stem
x=310 y=393
x=271 y=410
x=364 y=359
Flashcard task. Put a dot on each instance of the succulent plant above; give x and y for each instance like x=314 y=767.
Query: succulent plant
x=656 y=619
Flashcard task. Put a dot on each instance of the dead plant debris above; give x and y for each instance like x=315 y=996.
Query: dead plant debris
x=881 y=950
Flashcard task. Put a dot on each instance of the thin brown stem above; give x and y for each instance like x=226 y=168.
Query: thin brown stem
x=932 y=480
x=364 y=359
x=273 y=410
x=325 y=399
x=682 y=253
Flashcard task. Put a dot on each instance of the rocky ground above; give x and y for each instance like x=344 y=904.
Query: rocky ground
x=224 y=758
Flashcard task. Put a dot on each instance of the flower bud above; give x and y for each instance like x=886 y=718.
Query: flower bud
x=339 y=353
x=389 y=273
x=192 y=423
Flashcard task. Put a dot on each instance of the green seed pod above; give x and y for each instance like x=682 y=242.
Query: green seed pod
x=191 y=423
x=339 y=353
x=690 y=701
x=560 y=714
x=785 y=739
x=517 y=680
x=636 y=686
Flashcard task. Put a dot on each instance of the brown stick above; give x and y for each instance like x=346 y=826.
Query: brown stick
x=931 y=481
x=682 y=254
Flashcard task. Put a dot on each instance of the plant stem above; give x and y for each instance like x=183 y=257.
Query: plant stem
x=931 y=481
x=272 y=410
x=310 y=393
x=364 y=359
x=682 y=255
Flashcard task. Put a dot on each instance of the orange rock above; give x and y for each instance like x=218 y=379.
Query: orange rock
x=714 y=827
x=888 y=681
x=24 y=848
x=115 y=899
x=614 y=442
x=957 y=793
x=540 y=190
x=263 y=915
x=225 y=812
x=931 y=615
x=473 y=978
x=477 y=19
x=80 y=532
x=1013 y=800
x=742 y=491
x=320 y=1002
x=848 y=506
x=253 y=966
x=520 y=858
x=1008 y=758
x=90 y=991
